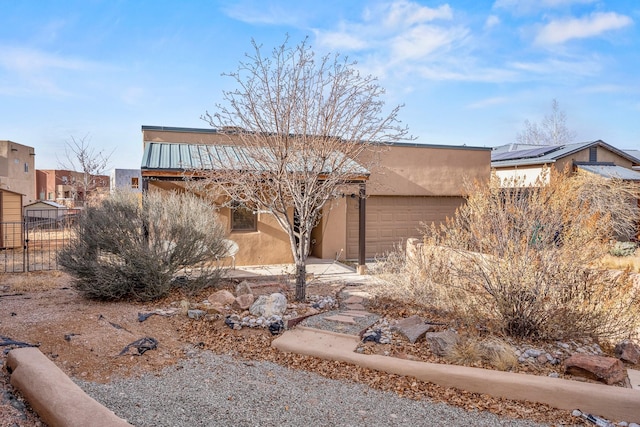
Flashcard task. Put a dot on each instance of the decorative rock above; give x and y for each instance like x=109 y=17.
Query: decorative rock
x=441 y=343
x=412 y=328
x=606 y=369
x=627 y=351
x=533 y=352
x=196 y=314
x=354 y=307
x=353 y=299
x=184 y=306
x=221 y=298
x=243 y=288
x=274 y=304
x=244 y=301
x=554 y=375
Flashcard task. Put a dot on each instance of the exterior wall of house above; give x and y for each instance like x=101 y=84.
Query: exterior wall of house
x=59 y=185
x=17 y=169
x=525 y=175
x=603 y=155
x=10 y=219
x=409 y=185
x=126 y=179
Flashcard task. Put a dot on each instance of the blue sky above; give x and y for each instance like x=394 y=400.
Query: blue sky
x=468 y=71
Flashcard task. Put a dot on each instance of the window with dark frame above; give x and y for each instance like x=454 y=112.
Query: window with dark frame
x=593 y=154
x=243 y=219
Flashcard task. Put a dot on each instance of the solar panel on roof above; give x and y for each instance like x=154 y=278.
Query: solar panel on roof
x=526 y=154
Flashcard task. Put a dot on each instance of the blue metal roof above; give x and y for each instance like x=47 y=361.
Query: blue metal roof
x=612 y=171
x=170 y=156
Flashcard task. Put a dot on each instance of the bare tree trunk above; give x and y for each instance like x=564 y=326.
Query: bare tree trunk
x=301 y=277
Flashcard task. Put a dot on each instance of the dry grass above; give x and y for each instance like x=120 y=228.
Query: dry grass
x=489 y=351
x=40 y=281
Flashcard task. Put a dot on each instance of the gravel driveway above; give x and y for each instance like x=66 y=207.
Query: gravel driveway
x=213 y=390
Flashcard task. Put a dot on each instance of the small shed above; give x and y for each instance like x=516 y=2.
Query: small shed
x=11 y=225
x=45 y=212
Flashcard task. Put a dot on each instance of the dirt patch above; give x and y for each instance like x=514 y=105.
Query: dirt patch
x=85 y=338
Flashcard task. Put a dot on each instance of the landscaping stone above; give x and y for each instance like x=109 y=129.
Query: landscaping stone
x=353 y=299
x=441 y=343
x=267 y=306
x=606 y=369
x=341 y=318
x=196 y=314
x=354 y=307
x=243 y=288
x=413 y=328
x=627 y=351
x=221 y=298
x=244 y=301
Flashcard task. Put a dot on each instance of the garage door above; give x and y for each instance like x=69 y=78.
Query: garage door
x=391 y=220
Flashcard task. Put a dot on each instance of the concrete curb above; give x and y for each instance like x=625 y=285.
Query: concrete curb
x=56 y=399
x=606 y=401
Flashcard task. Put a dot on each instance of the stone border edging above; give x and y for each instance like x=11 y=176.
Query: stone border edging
x=52 y=394
x=606 y=401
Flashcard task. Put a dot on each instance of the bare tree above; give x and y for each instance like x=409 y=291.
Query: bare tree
x=552 y=130
x=300 y=123
x=81 y=157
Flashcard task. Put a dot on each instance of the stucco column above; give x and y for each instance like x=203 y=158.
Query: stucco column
x=362 y=229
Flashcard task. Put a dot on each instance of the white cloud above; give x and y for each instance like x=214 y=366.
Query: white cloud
x=488 y=102
x=402 y=13
x=606 y=88
x=527 y=6
x=420 y=42
x=491 y=21
x=560 y=31
x=31 y=60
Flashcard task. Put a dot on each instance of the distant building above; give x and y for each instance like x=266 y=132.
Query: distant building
x=126 y=179
x=17 y=169
x=67 y=187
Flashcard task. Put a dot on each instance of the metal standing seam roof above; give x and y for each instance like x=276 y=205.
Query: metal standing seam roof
x=612 y=171
x=174 y=156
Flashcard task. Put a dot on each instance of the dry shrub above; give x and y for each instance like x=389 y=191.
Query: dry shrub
x=138 y=249
x=522 y=260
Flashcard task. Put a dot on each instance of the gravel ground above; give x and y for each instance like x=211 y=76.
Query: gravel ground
x=212 y=390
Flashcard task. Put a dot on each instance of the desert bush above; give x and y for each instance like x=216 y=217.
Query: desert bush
x=522 y=261
x=127 y=247
x=491 y=351
x=622 y=249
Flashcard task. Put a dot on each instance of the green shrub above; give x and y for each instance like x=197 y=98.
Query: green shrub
x=138 y=249
x=622 y=249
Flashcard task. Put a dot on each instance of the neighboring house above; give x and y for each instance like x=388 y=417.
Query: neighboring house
x=636 y=154
x=17 y=169
x=11 y=229
x=526 y=162
x=67 y=187
x=412 y=184
x=126 y=179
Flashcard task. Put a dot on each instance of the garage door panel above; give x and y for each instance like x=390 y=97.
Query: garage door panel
x=391 y=220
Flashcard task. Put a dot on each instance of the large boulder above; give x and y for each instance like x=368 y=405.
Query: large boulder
x=601 y=368
x=271 y=305
x=627 y=351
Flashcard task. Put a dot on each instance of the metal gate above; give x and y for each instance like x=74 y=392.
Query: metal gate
x=33 y=245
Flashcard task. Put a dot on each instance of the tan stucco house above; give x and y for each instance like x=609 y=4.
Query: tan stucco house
x=17 y=169
x=411 y=184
